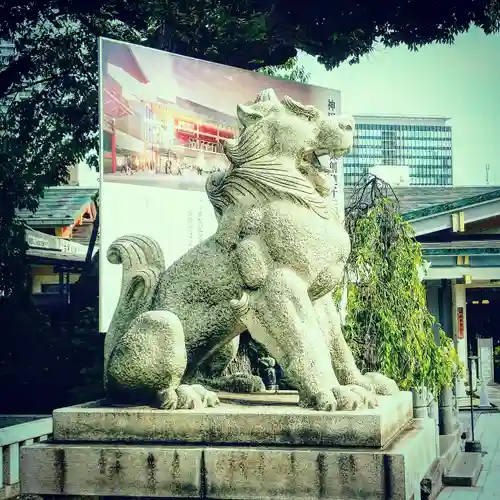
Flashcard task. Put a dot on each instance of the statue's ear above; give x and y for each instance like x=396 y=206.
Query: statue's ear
x=308 y=111
x=248 y=115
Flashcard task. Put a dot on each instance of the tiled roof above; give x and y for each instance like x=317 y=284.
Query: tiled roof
x=417 y=201
x=466 y=247
x=57 y=256
x=59 y=207
x=62 y=205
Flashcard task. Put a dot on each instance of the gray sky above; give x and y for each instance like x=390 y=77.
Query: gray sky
x=460 y=81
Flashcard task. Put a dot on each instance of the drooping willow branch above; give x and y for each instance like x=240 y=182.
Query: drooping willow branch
x=367 y=193
x=388 y=325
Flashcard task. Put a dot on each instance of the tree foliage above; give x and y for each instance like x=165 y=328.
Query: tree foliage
x=290 y=70
x=56 y=41
x=222 y=31
x=389 y=327
x=48 y=360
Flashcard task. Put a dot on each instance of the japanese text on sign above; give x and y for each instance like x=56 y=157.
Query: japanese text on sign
x=460 y=322
x=332 y=107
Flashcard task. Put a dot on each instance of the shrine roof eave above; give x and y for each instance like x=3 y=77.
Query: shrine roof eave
x=479 y=247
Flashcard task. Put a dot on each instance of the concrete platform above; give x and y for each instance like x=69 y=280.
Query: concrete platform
x=253 y=420
x=232 y=472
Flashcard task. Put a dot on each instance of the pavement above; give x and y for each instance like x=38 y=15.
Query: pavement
x=464 y=418
x=487 y=432
x=493 y=392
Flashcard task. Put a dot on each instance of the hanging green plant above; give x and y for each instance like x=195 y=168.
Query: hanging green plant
x=388 y=325
x=496 y=355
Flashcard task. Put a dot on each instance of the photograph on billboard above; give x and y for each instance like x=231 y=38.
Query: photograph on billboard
x=164 y=119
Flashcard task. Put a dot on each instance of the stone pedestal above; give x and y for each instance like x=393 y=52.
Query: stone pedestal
x=265 y=448
x=447 y=423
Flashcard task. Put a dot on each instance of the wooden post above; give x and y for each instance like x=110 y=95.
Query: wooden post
x=11 y=464
x=1 y=467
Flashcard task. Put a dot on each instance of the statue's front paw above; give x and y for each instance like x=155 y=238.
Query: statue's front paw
x=348 y=399
x=382 y=385
x=188 y=398
x=167 y=399
x=359 y=381
x=338 y=398
x=321 y=401
x=368 y=398
x=209 y=398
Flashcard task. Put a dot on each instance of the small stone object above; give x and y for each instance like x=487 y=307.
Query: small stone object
x=484 y=400
x=277 y=255
x=268 y=373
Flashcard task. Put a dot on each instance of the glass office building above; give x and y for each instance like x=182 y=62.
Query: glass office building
x=6 y=50
x=423 y=144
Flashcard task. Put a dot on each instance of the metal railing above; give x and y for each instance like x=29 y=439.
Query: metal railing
x=17 y=431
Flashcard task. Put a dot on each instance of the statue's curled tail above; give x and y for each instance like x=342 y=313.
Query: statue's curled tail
x=142 y=264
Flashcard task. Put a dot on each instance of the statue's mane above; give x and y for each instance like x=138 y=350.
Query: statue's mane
x=266 y=182
x=258 y=172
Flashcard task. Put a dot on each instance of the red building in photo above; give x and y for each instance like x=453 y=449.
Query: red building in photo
x=114 y=104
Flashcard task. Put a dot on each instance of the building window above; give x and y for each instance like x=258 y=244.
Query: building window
x=51 y=288
x=426 y=149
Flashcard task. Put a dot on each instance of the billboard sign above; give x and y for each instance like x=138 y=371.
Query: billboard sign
x=163 y=121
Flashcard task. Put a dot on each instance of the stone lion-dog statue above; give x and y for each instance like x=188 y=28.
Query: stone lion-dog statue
x=279 y=251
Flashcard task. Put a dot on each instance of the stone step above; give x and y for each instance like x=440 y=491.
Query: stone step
x=449 y=446
x=432 y=484
x=268 y=419
x=464 y=470
x=232 y=472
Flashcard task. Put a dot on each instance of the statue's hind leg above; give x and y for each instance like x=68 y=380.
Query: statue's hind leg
x=148 y=361
x=239 y=381
x=342 y=358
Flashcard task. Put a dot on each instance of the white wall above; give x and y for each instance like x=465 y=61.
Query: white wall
x=84 y=176
x=176 y=219
x=394 y=175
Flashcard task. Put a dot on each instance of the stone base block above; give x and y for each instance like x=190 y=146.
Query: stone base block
x=9 y=491
x=252 y=420
x=432 y=484
x=231 y=472
x=464 y=470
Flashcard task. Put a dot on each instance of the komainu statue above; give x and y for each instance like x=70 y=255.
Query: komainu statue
x=270 y=268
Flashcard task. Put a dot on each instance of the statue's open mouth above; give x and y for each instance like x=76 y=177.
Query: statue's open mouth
x=325 y=167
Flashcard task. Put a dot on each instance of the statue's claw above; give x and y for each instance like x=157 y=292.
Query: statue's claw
x=241 y=306
x=347 y=399
x=189 y=399
x=322 y=401
x=208 y=398
x=382 y=385
x=339 y=398
x=368 y=398
x=168 y=399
